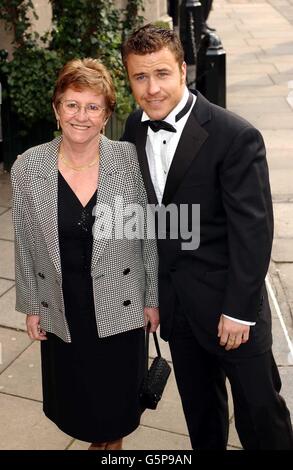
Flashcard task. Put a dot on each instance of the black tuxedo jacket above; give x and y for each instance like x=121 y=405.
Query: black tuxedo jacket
x=220 y=164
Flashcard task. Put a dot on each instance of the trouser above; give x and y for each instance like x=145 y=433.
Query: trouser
x=261 y=417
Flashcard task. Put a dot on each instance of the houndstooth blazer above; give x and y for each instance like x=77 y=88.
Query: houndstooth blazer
x=123 y=270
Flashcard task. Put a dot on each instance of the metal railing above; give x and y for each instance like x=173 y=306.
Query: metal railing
x=204 y=53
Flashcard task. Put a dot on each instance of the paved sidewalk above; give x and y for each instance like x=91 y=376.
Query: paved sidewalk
x=258 y=39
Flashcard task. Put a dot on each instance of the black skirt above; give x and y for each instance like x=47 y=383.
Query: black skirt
x=91 y=385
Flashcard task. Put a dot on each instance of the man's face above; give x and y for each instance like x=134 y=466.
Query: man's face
x=157 y=81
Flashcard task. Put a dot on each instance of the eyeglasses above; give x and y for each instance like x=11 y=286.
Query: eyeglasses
x=71 y=108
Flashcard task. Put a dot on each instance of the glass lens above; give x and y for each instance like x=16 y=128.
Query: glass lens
x=72 y=107
x=94 y=109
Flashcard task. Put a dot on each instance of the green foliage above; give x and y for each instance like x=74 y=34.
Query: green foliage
x=81 y=28
x=93 y=29
x=132 y=19
x=31 y=76
x=162 y=24
x=15 y=14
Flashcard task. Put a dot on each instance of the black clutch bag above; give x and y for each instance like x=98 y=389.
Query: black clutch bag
x=155 y=377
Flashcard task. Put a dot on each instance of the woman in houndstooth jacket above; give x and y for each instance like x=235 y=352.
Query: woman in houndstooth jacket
x=87 y=283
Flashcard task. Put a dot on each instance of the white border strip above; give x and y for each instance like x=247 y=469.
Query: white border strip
x=280 y=316
x=290 y=94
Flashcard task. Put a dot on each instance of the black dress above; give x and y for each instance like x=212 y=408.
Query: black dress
x=91 y=385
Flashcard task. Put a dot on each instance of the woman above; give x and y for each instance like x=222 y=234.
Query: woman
x=86 y=287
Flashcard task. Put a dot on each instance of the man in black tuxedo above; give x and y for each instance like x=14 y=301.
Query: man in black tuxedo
x=214 y=307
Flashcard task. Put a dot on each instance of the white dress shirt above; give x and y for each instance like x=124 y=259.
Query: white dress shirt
x=160 y=150
x=161 y=145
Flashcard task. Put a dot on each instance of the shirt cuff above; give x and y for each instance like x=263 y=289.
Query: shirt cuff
x=244 y=322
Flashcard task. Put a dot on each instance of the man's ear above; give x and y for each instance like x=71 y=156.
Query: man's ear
x=183 y=72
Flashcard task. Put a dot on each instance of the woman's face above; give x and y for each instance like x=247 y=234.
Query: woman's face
x=82 y=115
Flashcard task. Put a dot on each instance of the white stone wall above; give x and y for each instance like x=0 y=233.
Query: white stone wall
x=154 y=10
x=6 y=38
x=121 y=3
x=44 y=12
x=41 y=25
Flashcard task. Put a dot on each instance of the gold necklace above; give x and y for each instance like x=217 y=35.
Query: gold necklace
x=81 y=167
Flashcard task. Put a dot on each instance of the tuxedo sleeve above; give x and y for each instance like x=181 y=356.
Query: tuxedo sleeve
x=248 y=206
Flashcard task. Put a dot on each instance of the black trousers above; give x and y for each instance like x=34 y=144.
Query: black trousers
x=261 y=417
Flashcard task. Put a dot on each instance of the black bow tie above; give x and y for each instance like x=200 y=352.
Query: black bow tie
x=158 y=125
x=165 y=126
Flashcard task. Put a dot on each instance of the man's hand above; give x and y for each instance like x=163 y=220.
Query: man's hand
x=151 y=315
x=33 y=328
x=232 y=333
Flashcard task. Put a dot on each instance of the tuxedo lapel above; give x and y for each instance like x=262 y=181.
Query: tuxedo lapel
x=192 y=138
x=140 y=143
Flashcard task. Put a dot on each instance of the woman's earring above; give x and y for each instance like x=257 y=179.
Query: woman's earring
x=104 y=127
x=58 y=125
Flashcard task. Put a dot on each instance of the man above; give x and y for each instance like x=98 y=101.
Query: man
x=213 y=303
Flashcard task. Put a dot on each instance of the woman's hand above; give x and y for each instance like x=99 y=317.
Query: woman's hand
x=151 y=315
x=33 y=328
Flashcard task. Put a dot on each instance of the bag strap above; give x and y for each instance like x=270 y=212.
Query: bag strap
x=147 y=342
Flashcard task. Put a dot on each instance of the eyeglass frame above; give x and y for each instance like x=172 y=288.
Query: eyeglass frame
x=100 y=108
